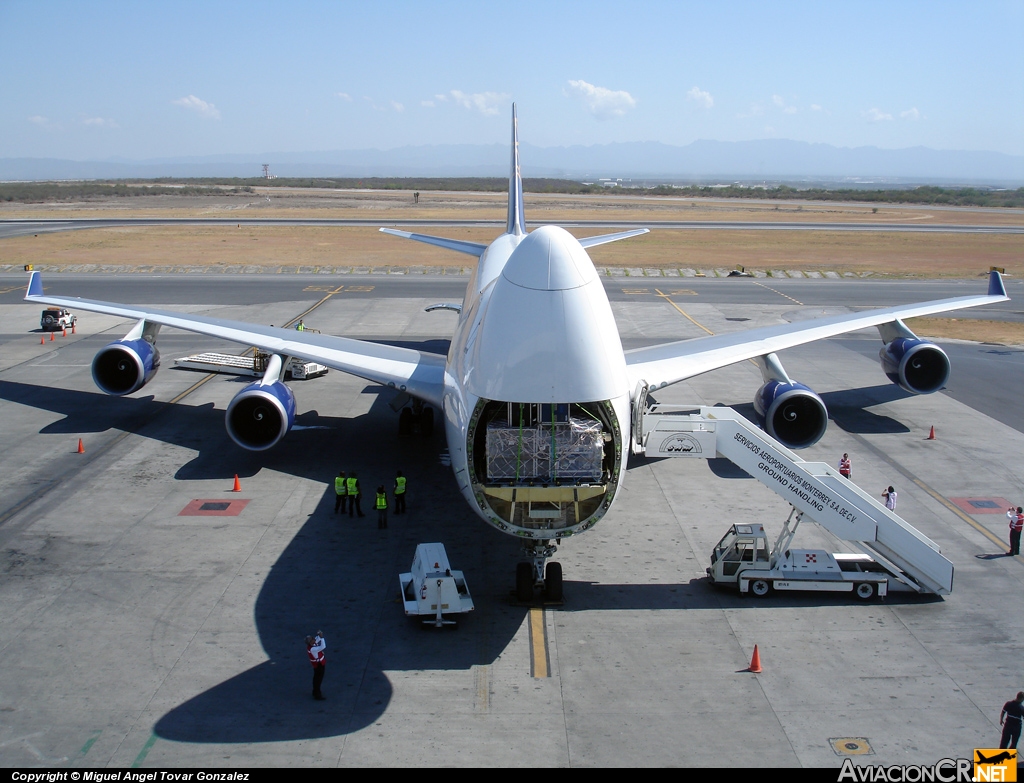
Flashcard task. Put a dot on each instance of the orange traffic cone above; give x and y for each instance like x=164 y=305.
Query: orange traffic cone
x=72 y=329
x=51 y=337
x=755 y=662
x=65 y=332
x=81 y=446
x=42 y=340
x=238 y=484
x=931 y=435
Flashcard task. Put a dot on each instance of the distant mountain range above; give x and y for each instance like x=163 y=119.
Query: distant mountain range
x=771 y=160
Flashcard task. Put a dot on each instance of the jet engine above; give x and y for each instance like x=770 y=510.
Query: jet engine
x=917 y=366
x=260 y=415
x=125 y=366
x=791 y=413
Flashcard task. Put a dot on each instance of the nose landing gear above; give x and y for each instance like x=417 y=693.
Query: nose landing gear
x=532 y=576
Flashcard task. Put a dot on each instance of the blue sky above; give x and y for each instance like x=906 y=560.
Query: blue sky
x=93 y=80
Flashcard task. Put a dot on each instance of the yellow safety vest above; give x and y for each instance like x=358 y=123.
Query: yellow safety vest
x=400 y=485
x=339 y=485
x=382 y=501
x=353 y=486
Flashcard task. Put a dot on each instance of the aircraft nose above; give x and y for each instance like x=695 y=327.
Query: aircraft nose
x=549 y=259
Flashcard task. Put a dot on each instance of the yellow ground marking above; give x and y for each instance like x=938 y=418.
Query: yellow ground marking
x=13 y=288
x=635 y=291
x=952 y=507
x=787 y=296
x=681 y=311
x=539 y=663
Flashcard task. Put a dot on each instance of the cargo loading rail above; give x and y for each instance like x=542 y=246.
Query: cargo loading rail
x=813 y=488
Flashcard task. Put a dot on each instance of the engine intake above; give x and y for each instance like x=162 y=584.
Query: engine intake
x=791 y=413
x=917 y=366
x=260 y=415
x=125 y=366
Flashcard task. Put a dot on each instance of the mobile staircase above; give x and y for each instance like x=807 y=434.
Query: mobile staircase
x=812 y=488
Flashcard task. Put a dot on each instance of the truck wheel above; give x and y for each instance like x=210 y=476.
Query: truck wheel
x=524 y=583
x=553 y=582
x=865 y=591
x=760 y=587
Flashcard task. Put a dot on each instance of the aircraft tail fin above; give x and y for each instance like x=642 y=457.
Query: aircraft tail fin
x=515 y=185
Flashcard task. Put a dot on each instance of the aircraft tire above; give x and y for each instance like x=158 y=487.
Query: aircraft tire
x=405 y=423
x=865 y=591
x=760 y=587
x=524 y=582
x=427 y=421
x=553 y=582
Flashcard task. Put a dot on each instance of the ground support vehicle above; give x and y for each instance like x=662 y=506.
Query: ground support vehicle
x=56 y=319
x=742 y=558
x=432 y=589
x=256 y=365
x=814 y=489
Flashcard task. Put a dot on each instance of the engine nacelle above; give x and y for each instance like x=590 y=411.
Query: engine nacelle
x=917 y=366
x=125 y=366
x=791 y=413
x=260 y=415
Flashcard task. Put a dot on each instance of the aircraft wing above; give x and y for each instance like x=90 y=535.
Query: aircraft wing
x=661 y=365
x=604 y=238
x=419 y=373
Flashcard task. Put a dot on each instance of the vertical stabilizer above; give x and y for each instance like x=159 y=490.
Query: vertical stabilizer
x=515 y=186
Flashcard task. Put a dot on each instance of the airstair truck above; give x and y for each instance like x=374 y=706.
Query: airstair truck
x=742 y=558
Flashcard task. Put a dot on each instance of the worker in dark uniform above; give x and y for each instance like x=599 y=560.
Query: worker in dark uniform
x=399 y=493
x=315 y=646
x=352 y=488
x=1010 y=719
x=382 y=508
x=340 y=491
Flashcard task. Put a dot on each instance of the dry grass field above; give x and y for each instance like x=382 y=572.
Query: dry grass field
x=880 y=253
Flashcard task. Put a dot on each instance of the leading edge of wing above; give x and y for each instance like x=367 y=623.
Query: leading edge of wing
x=470 y=248
x=605 y=238
x=419 y=373
x=661 y=365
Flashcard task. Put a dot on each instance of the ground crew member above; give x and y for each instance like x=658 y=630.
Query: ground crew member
x=845 y=467
x=300 y=327
x=352 y=489
x=890 y=498
x=1016 y=525
x=382 y=508
x=1010 y=719
x=399 y=493
x=315 y=646
x=339 y=491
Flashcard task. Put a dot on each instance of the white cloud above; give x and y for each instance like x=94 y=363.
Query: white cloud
x=911 y=114
x=815 y=107
x=779 y=101
x=198 y=105
x=99 y=122
x=343 y=95
x=397 y=106
x=37 y=119
x=703 y=97
x=441 y=98
x=602 y=102
x=487 y=103
x=876 y=115
x=428 y=104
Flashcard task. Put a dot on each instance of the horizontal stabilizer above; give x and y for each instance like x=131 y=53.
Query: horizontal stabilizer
x=604 y=239
x=470 y=248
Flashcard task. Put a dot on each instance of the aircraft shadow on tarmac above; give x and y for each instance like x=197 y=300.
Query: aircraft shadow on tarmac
x=341 y=575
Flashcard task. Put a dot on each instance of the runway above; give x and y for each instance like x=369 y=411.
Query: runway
x=22 y=227
x=133 y=636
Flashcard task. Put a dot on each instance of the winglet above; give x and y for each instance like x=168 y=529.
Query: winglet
x=515 y=185
x=995 y=283
x=35 y=285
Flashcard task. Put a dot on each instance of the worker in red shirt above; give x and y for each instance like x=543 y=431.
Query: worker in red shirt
x=315 y=646
x=1016 y=525
x=845 y=466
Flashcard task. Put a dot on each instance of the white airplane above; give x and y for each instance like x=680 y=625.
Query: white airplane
x=541 y=405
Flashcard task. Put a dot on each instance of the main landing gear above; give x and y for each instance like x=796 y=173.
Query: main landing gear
x=533 y=575
x=419 y=419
